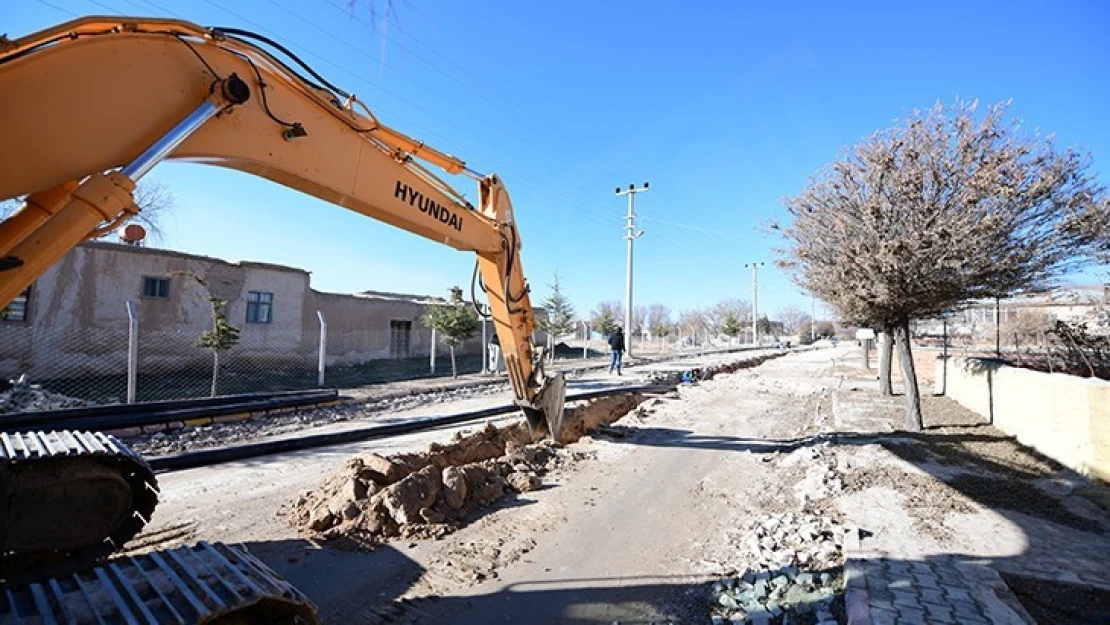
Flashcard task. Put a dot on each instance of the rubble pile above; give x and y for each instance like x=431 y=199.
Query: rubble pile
x=793 y=573
x=822 y=478
x=26 y=397
x=373 y=498
x=701 y=374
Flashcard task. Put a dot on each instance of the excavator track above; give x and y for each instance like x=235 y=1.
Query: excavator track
x=201 y=584
x=67 y=500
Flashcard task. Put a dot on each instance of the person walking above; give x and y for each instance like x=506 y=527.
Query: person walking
x=616 y=348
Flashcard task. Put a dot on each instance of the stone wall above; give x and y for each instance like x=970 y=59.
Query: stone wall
x=1062 y=416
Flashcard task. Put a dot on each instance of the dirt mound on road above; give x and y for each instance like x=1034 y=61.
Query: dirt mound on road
x=373 y=498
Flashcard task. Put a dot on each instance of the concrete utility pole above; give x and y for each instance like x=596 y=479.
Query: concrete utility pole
x=755 y=301
x=630 y=236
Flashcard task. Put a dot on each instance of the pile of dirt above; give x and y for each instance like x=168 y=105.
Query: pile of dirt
x=373 y=498
x=700 y=374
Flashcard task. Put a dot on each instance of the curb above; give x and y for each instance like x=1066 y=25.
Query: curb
x=856 y=606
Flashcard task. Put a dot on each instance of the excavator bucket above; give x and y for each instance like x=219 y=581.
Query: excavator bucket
x=546 y=415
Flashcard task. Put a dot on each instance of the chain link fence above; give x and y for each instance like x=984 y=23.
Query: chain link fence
x=67 y=367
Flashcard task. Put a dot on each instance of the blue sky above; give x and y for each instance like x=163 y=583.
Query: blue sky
x=725 y=107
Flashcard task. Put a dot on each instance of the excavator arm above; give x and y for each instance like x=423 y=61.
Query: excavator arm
x=93 y=104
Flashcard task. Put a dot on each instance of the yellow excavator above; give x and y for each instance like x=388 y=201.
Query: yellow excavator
x=87 y=108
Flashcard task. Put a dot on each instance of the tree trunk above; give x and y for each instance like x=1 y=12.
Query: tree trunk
x=909 y=376
x=454 y=370
x=886 y=354
x=215 y=370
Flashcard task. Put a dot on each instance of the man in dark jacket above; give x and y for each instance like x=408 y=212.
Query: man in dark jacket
x=616 y=347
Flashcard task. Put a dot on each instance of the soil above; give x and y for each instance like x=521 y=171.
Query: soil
x=374 y=498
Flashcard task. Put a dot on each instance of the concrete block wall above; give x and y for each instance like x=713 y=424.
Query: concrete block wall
x=1065 y=417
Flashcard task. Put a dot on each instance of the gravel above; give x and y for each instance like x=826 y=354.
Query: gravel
x=26 y=397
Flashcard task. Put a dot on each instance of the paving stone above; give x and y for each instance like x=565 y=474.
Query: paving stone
x=926 y=580
x=901 y=567
x=911 y=616
x=906 y=598
x=875 y=582
x=882 y=617
x=920 y=567
x=955 y=592
x=872 y=567
x=900 y=581
x=931 y=595
x=883 y=594
x=879 y=604
x=944 y=619
x=962 y=611
x=935 y=609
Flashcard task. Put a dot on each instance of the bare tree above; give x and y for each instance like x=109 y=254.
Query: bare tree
x=947 y=207
x=729 y=309
x=792 y=318
x=153 y=197
x=156 y=202
x=692 y=322
x=659 y=320
x=639 y=319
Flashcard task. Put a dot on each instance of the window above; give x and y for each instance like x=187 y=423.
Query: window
x=260 y=307
x=400 y=337
x=17 y=311
x=156 y=287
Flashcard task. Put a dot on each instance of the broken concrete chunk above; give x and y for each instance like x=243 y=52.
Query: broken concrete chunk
x=406 y=498
x=523 y=482
x=380 y=470
x=322 y=520
x=351 y=511
x=454 y=487
x=354 y=490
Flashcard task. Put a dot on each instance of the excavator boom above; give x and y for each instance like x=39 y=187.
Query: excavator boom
x=97 y=94
x=92 y=105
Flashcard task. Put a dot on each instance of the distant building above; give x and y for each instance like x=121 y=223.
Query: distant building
x=1089 y=303
x=74 y=319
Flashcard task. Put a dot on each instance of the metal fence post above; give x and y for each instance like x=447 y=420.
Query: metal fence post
x=432 y=356
x=485 y=347
x=585 y=340
x=132 y=351
x=322 y=362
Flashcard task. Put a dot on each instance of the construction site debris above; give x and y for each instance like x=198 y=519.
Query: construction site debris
x=793 y=572
x=373 y=498
x=26 y=397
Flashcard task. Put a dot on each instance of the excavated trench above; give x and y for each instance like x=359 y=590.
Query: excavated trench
x=373 y=498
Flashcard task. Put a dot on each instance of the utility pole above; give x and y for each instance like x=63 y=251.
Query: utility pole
x=630 y=236
x=755 y=301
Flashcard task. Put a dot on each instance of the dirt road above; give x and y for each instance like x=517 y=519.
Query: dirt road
x=634 y=533
x=626 y=530
x=636 y=523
